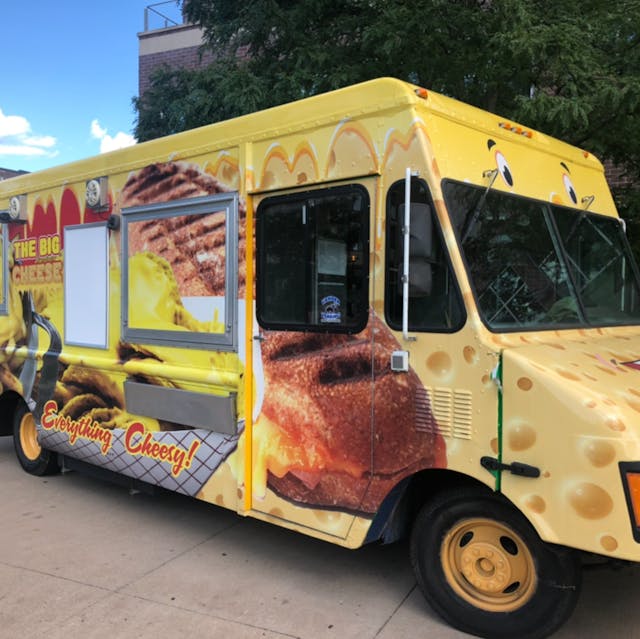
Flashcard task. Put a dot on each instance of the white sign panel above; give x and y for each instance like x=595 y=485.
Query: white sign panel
x=86 y=285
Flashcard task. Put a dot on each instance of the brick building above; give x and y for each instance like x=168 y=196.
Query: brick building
x=167 y=40
x=616 y=175
x=5 y=174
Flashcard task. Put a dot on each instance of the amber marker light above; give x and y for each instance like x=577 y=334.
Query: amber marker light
x=630 y=473
x=633 y=481
x=513 y=128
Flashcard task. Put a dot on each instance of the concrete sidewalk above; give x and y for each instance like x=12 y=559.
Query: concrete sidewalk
x=83 y=558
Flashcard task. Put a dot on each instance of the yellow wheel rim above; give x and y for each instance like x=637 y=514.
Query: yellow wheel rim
x=488 y=565
x=29 y=438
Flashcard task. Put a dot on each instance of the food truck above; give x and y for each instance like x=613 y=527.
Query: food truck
x=370 y=313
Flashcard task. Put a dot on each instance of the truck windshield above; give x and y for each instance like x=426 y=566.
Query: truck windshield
x=534 y=265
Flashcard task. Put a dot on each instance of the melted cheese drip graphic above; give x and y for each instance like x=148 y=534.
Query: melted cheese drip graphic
x=279 y=453
x=155 y=303
x=154 y=299
x=12 y=328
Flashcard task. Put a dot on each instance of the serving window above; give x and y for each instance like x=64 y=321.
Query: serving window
x=312 y=262
x=179 y=275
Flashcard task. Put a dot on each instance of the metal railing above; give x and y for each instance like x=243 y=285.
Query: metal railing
x=162 y=15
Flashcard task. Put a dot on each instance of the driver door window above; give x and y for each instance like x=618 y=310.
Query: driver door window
x=312 y=265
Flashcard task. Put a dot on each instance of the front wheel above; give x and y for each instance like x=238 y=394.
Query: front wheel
x=32 y=457
x=484 y=569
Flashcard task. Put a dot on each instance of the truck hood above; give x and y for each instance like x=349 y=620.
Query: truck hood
x=598 y=374
x=571 y=408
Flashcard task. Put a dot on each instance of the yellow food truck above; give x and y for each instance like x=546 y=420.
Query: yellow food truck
x=366 y=314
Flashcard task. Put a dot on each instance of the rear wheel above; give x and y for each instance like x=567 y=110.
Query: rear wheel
x=32 y=457
x=484 y=569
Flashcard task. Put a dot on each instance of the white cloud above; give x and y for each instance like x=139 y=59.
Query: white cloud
x=120 y=141
x=16 y=138
x=108 y=142
x=11 y=125
x=46 y=141
x=97 y=131
x=17 y=149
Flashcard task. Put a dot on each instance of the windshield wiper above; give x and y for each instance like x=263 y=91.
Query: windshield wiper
x=473 y=216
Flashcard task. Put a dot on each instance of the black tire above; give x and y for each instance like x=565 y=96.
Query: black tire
x=32 y=457
x=484 y=569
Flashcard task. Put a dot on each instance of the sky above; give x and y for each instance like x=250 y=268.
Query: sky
x=68 y=71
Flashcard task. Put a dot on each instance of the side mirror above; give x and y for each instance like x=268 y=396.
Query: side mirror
x=421 y=251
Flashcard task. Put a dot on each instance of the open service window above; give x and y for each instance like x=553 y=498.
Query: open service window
x=180 y=272
x=313 y=260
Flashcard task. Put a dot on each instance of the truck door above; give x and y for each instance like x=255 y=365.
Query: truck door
x=312 y=430
x=413 y=402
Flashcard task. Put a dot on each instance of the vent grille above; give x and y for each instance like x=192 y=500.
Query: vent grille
x=462 y=414
x=425 y=419
x=451 y=412
x=442 y=404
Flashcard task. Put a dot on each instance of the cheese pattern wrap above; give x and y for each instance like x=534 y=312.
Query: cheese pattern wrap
x=321 y=434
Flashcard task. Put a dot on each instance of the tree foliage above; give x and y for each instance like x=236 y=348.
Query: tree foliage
x=180 y=99
x=570 y=69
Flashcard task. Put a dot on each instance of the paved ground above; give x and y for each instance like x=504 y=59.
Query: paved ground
x=81 y=558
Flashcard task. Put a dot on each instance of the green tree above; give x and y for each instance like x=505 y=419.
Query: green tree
x=181 y=99
x=570 y=69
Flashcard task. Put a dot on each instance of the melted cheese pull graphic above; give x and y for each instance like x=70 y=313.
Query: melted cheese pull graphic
x=154 y=299
x=13 y=329
x=279 y=453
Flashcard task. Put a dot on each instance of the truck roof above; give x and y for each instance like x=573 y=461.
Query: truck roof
x=372 y=97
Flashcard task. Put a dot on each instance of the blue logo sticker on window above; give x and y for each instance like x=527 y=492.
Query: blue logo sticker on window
x=330 y=312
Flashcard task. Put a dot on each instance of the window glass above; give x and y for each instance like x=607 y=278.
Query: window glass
x=513 y=264
x=534 y=265
x=435 y=303
x=180 y=275
x=601 y=266
x=313 y=260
